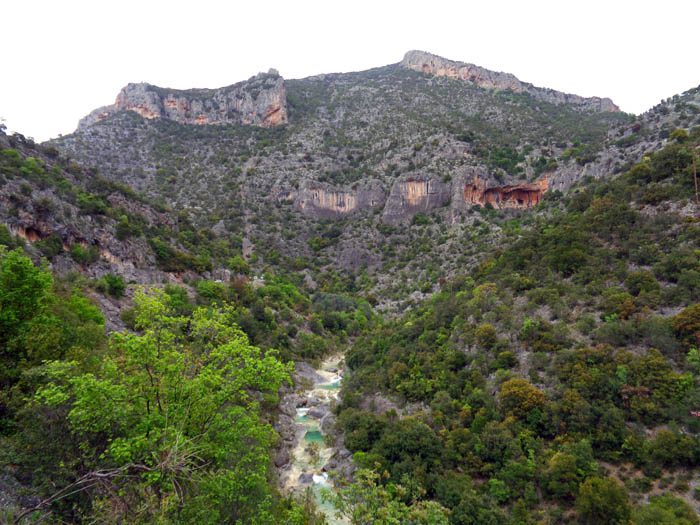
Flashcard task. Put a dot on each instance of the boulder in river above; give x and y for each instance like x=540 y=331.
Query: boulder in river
x=282 y=458
x=319 y=411
x=306 y=478
x=306 y=371
x=312 y=401
x=327 y=422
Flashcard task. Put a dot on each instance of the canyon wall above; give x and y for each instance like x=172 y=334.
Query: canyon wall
x=259 y=101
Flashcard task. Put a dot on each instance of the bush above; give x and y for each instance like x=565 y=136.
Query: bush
x=111 y=284
x=602 y=501
x=84 y=254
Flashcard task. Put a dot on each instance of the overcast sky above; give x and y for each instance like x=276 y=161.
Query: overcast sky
x=62 y=59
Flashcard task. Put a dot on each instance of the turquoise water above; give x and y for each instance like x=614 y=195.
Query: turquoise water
x=314 y=436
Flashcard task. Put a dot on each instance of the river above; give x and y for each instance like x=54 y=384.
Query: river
x=311 y=451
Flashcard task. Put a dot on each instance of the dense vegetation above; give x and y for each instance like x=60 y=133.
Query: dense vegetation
x=541 y=366
x=561 y=374
x=166 y=424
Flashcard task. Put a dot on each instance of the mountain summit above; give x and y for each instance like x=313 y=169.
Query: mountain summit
x=260 y=101
x=442 y=67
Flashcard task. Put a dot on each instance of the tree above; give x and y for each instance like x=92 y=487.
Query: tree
x=602 y=500
x=170 y=423
x=25 y=295
x=687 y=324
x=665 y=510
x=518 y=396
x=367 y=502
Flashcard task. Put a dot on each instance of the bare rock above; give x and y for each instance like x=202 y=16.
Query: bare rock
x=442 y=67
x=260 y=101
x=319 y=411
x=327 y=423
x=414 y=194
x=282 y=457
x=306 y=478
x=286 y=427
x=306 y=371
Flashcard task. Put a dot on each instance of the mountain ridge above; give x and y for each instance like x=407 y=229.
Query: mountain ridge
x=260 y=101
x=268 y=105
x=480 y=76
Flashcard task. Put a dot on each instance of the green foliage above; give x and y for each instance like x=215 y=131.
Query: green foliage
x=111 y=284
x=25 y=298
x=602 y=501
x=172 y=415
x=519 y=397
x=51 y=246
x=84 y=254
x=665 y=510
x=368 y=502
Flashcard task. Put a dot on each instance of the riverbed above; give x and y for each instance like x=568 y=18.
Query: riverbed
x=313 y=449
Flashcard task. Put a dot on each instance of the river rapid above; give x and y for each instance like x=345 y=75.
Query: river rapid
x=310 y=457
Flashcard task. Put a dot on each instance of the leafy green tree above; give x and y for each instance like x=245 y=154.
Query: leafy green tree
x=518 y=396
x=368 y=502
x=25 y=298
x=602 y=500
x=665 y=510
x=170 y=423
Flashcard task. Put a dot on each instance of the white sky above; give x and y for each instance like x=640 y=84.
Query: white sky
x=62 y=59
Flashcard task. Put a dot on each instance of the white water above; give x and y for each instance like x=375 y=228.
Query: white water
x=305 y=463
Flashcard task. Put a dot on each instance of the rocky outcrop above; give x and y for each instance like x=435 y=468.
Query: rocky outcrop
x=322 y=201
x=412 y=195
x=438 y=66
x=521 y=196
x=259 y=101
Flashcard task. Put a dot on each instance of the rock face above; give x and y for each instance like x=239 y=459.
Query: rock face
x=438 y=66
x=322 y=201
x=259 y=101
x=55 y=216
x=412 y=195
x=511 y=196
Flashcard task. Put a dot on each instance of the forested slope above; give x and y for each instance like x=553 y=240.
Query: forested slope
x=559 y=378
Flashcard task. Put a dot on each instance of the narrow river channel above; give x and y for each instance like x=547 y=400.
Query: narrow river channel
x=312 y=452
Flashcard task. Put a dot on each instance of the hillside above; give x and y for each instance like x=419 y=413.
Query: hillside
x=502 y=279
x=567 y=356
x=361 y=156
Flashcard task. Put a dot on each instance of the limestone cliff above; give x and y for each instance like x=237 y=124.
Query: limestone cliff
x=520 y=196
x=412 y=195
x=322 y=201
x=438 y=66
x=259 y=101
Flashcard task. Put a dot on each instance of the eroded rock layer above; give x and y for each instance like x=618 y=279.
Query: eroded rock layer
x=326 y=202
x=259 y=101
x=413 y=195
x=510 y=196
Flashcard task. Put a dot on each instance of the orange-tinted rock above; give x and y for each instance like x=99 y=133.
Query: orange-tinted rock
x=323 y=201
x=259 y=101
x=509 y=196
x=335 y=201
